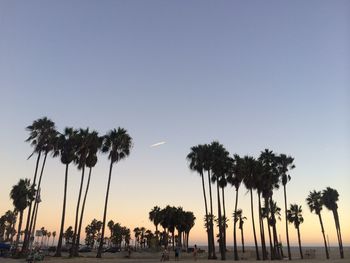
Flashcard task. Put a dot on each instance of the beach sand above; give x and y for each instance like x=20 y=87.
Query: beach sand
x=138 y=257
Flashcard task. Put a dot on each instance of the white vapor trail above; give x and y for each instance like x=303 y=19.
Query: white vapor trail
x=157 y=144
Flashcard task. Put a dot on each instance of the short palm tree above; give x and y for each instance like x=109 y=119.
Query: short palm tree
x=21 y=194
x=117 y=143
x=294 y=215
x=330 y=199
x=67 y=145
x=53 y=237
x=154 y=216
x=238 y=216
x=315 y=203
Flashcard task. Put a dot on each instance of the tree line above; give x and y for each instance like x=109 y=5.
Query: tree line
x=171 y=219
x=261 y=176
x=79 y=147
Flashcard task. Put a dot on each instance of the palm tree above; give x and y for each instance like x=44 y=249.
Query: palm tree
x=330 y=199
x=250 y=183
x=241 y=219
x=284 y=165
x=67 y=144
x=49 y=145
x=189 y=220
x=80 y=160
x=235 y=180
x=38 y=135
x=117 y=144
x=21 y=194
x=260 y=183
x=94 y=145
x=53 y=237
x=221 y=167
x=208 y=163
x=154 y=216
x=294 y=215
x=315 y=202
x=269 y=181
x=196 y=163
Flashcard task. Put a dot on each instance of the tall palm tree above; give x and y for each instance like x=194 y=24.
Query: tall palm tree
x=235 y=179
x=315 y=203
x=260 y=183
x=221 y=167
x=49 y=145
x=330 y=199
x=284 y=165
x=196 y=159
x=94 y=145
x=294 y=215
x=117 y=144
x=67 y=145
x=250 y=183
x=207 y=165
x=21 y=194
x=80 y=160
x=268 y=183
x=38 y=133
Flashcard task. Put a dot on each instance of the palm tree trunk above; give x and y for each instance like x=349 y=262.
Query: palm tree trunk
x=212 y=239
x=299 y=241
x=262 y=233
x=73 y=248
x=242 y=238
x=337 y=225
x=99 y=251
x=235 y=251
x=206 y=217
x=286 y=219
x=324 y=237
x=82 y=215
x=59 y=245
x=27 y=229
x=19 y=229
x=253 y=222
x=222 y=252
x=224 y=219
x=36 y=204
x=36 y=207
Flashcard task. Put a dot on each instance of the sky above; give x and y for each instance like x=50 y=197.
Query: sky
x=250 y=74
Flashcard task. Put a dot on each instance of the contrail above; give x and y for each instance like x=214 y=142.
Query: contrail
x=157 y=144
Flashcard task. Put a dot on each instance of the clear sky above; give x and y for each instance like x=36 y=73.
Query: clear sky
x=251 y=74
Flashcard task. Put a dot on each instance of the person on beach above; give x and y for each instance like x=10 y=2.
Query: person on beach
x=177 y=252
x=195 y=251
x=165 y=255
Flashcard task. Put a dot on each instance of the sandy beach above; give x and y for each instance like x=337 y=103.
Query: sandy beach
x=188 y=257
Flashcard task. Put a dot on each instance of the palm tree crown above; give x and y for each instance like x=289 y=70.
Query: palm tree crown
x=118 y=144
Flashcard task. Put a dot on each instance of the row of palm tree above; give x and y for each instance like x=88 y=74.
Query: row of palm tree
x=172 y=218
x=78 y=146
x=262 y=175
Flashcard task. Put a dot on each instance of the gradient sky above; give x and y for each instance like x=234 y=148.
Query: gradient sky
x=251 y=74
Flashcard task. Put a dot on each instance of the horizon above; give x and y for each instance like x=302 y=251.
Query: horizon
x=251 y=75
